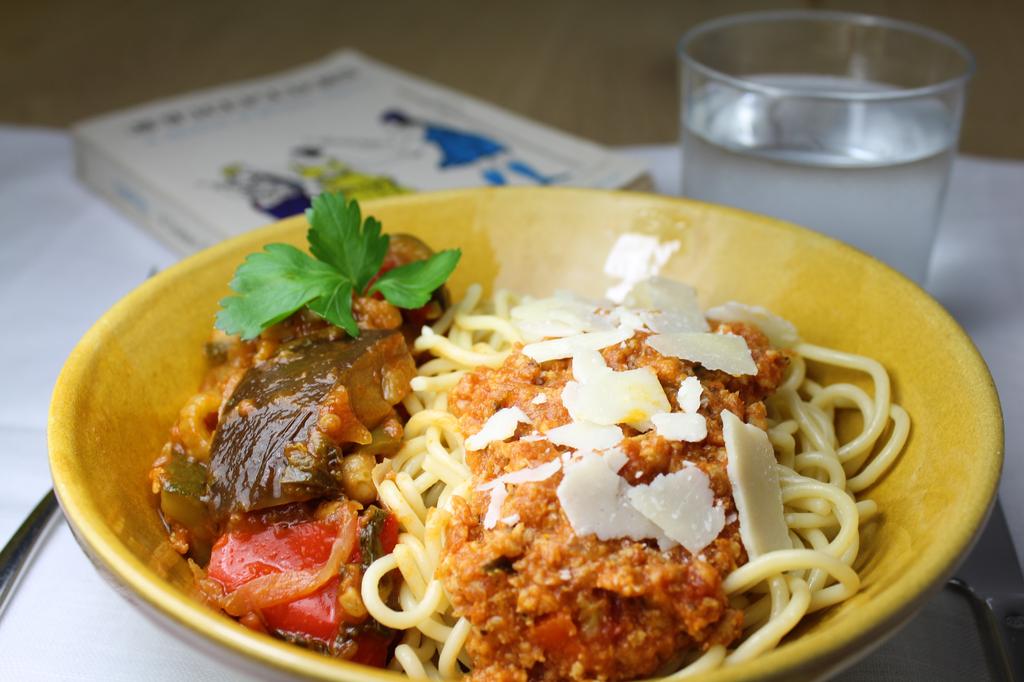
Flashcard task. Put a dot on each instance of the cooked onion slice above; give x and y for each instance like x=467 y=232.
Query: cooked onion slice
x=287 y=586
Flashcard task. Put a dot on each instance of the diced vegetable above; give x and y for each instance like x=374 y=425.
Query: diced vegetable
x=372 y=648
x=240 y=556
x=555 y=633
x=181 y=495
x=277 y=586
x=384 y=442
x=268 y=449
x=378 y=535
x=402 y=250
x=357 y=477
x=316 y=616
x=182 y=500
x=257 y=552
x=216 y=352
x=360 y=646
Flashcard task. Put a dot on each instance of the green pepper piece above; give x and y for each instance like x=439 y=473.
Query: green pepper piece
x=183 y=500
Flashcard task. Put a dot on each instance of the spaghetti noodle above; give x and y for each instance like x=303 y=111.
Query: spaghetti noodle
x=820 y=476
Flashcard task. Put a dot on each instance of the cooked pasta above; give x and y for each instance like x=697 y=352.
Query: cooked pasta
x=821 y=478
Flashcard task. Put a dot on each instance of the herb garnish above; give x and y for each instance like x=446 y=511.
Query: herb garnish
x=347 y=255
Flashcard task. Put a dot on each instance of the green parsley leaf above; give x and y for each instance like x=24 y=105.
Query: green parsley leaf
x=335 y=238
x=336 y=308
x=271 y=285
x=347 y=254
x=238 y=316
x=411 y=285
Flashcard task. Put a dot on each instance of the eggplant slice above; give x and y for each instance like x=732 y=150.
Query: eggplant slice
x=268 y=448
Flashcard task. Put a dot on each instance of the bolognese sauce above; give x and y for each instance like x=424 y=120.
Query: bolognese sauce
x=549 y=604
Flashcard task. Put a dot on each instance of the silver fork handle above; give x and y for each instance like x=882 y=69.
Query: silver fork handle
x=23 y=545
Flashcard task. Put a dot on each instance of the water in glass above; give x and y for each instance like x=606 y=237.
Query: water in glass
x=872 y=173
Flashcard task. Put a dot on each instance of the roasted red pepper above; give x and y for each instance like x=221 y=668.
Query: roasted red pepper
x=372 y=649
x=242 y=555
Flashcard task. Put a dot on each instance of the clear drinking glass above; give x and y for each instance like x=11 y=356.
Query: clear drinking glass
x=844 y=123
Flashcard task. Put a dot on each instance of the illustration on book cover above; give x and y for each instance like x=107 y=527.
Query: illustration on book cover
x=324 y=164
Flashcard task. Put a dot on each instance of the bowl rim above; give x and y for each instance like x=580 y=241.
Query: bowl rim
x=810 y=655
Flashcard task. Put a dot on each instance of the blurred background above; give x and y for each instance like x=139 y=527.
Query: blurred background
x=601 y=69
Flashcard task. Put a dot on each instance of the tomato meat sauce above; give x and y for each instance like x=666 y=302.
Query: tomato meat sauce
x=547 y=604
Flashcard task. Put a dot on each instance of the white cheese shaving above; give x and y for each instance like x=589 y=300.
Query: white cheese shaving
x=669 y=306
x=627 y=317
x=499 y=491
x=592 y=497
x=780 y=332
x=669 y=322
x=541 y=472
x=692 y=428
x=551 y=329
x=557 y=349
x=682 y=505
x=675 y=509
x=726 y=352
x=511 y=519
x=689 y=394
x=587 y=365
x=626 y=397
x=644 y=426
x=752 y=471
x=532 y=438
x=555 y=317
x=498 y=495
x=539 y=399
x=570 y=399
x=633 y=258
x=586 y=436
x=592 y=304
x=499 y=426
x=615 y=459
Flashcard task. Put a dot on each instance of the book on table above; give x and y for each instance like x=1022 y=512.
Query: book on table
x=201 y=167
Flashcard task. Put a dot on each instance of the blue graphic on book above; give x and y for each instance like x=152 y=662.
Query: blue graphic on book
x=282 y=196
x=466 y=148
x=363 y=169
x=276 y=195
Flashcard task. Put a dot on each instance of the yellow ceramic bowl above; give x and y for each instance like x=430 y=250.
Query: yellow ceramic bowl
x=123 y=385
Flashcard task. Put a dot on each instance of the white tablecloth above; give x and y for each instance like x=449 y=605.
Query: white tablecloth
x=65 y=257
